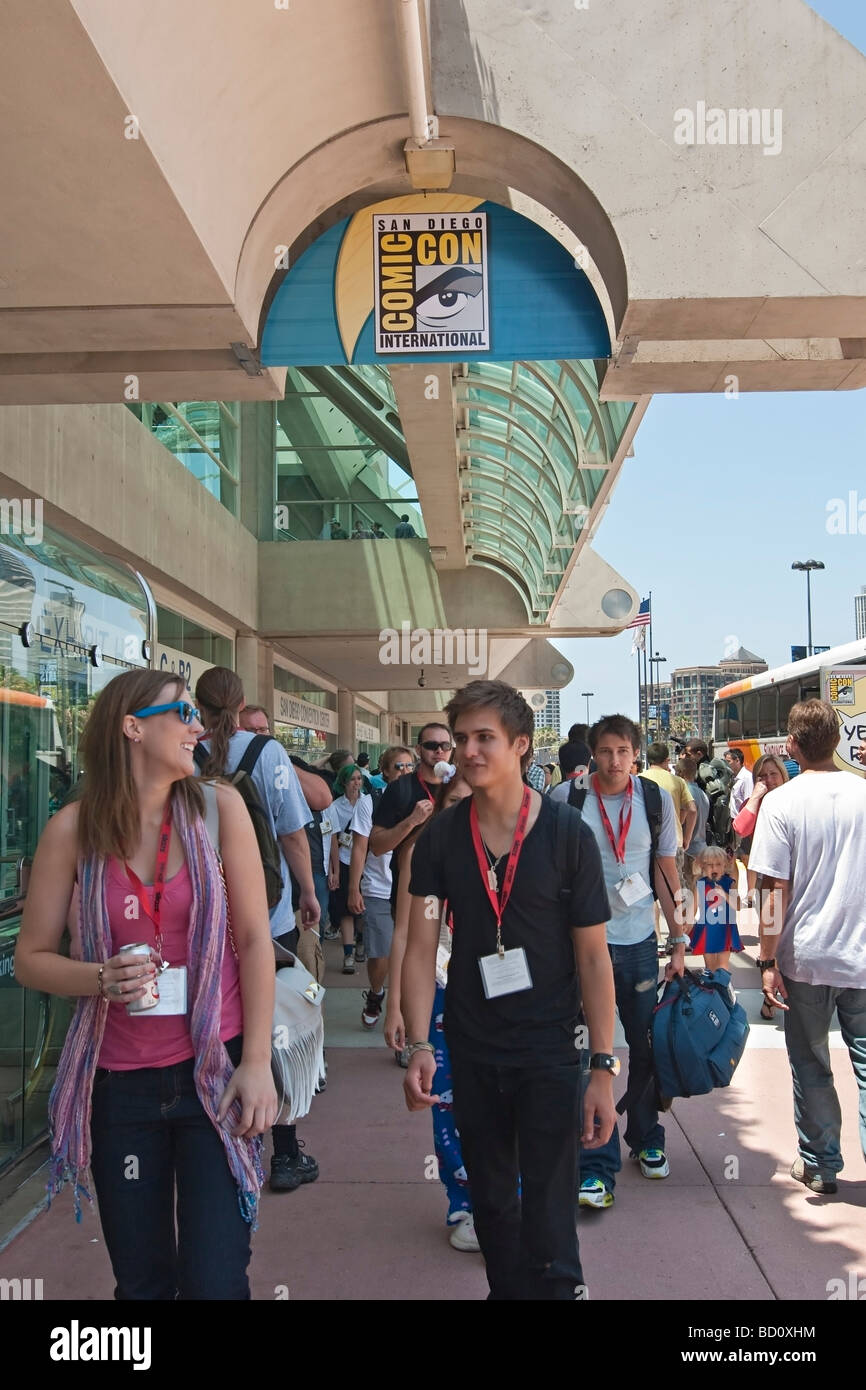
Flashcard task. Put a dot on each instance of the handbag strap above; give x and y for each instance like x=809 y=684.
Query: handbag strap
x=212 y=826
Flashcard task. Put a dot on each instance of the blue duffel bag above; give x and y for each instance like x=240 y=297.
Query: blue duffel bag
x=699 y=1033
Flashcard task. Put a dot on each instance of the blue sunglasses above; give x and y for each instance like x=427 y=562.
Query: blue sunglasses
x=186 y=711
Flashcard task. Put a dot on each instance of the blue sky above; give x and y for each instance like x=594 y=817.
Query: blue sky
x=721 y=496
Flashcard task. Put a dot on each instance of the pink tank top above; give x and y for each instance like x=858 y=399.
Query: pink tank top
x=131 y=1041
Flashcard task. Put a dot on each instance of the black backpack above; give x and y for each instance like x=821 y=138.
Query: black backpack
x=652 y=800
x=241 y=778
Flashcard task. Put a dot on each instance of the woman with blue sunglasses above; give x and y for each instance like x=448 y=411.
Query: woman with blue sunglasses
x=164 y=1085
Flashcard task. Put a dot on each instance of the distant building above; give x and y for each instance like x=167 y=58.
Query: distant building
x=860 y=612
x=694 y=690
x=657 y=699
x=549 y=717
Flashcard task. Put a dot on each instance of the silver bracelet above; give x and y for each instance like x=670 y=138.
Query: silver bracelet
x=679 y=941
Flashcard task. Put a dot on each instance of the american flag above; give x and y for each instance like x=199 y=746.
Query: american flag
x=642 y=618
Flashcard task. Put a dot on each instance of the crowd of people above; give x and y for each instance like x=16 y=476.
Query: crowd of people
x=504 y=910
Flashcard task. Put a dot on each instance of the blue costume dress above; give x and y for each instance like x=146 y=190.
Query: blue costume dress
x=716 y=926
x=446 y=1139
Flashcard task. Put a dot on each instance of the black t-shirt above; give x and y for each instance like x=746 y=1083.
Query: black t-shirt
x=535 y=1026
x=398 y=799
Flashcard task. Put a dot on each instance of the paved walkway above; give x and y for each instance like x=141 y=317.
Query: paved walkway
x=728 y=1225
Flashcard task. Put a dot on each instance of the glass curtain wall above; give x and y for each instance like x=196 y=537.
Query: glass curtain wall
x=62 y=609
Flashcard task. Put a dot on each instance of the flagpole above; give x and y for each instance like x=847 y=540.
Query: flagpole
x=638 y=719
x=645 y=698
x=652 y=700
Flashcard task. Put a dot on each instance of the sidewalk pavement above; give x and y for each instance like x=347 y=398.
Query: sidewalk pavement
x=729 y=1224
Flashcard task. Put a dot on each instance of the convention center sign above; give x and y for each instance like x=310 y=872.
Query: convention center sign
x=444 y=276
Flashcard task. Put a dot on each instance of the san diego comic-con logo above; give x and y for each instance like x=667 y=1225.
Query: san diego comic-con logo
x=431 y=282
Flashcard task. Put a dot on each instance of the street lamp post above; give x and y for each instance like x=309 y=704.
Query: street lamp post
x=655 y=684
x=808 y=566
x=587 y=695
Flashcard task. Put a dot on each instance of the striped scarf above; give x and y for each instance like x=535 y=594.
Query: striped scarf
x=70 y=1105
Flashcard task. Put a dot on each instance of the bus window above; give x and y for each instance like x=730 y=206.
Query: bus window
x=768 y=718
x=788 y=696
x=810 y=686
x=750 y=715
x=728 y=723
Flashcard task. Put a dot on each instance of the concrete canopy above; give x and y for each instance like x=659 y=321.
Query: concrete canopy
x=182 y=145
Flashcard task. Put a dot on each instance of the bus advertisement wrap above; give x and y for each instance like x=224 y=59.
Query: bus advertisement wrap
x=845 y=688
x=431 y=283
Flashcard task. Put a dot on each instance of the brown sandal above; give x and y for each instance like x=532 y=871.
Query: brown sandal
x=768 y=1010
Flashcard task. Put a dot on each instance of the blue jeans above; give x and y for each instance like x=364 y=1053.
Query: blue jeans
x=151 y=1137
x=320 y=883
x=817 y=1115
x=635 y=973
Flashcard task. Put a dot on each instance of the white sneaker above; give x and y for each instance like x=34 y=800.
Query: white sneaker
x=463 y=1235
x=653 y=1163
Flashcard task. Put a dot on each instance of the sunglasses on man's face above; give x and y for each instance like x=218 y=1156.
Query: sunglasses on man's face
x=186 y=711
x=433 y=747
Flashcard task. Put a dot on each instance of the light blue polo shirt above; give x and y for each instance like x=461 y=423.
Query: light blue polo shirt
x=629 y=925
x=281 y=795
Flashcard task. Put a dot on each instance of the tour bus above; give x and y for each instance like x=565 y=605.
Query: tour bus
x=752 y=714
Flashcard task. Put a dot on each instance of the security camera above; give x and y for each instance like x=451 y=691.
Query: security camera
x=421 y=680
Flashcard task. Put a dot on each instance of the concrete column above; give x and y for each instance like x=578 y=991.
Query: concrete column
x=385 y=729
x=254 y=664
x=346 y=717
x=257 y=472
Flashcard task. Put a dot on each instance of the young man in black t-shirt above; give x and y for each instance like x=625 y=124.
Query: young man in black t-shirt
x=512 y=1002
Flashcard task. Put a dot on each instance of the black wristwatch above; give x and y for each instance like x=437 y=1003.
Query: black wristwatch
x=769 y=964
x=605 y=1061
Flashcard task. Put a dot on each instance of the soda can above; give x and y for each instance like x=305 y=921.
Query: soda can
x=151 y=998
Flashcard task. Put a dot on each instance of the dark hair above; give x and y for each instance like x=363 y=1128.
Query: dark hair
x=572 y=755
x=362 y=759
x=577 y=733
x=815 y=728
x=338 y=757
x=696 y=748
x=405 y=516
x=617 y=724
x=220 y=694
x=433 y=724
x=738 y=753
x=509 y=705
x=657 y=753
x=108 y=816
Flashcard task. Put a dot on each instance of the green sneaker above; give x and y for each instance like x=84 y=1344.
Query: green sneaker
x=593 y=1193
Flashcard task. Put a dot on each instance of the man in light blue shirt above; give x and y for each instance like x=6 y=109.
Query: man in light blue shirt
x=219 y=693
x=280 y=794
x=616 y=808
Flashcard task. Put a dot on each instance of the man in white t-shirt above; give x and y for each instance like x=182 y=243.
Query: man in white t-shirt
x=370 y=888
x=810 y=847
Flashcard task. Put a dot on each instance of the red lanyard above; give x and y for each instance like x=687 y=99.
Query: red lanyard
x=618 y=845
x=426 y=788
x=154 y=910
x=488 y=876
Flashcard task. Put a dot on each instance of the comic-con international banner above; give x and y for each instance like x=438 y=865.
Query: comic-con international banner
x=431 y=283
